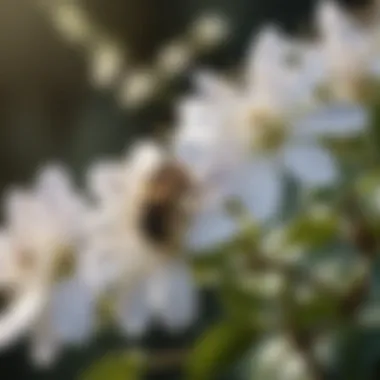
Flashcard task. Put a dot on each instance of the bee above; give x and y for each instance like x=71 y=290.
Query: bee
x=164 y=214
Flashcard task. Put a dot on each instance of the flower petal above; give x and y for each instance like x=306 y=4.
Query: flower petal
x=172 y=295
x=311 y=164
x=21 y=316
x=73 y=311
x=105 y=180
x=265 y=57
x=203 y=140
x=53 y=182
x=210 y=228
x=375 y=66
x=145 y=156
x=63 y=203
x=258 y=184
x=100 y=264
x=331 y=18
x=133 y=310
x=335 y=120
x=213 y=87
x=45 y=343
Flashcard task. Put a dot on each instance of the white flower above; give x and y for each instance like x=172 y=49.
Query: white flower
x=106 y=64
x=53 y=304
x=279 y=76
x=165 y=295
x=241 y=143
x=175 y=58
x=350 y=53
x=268 y=285
x=340 y=272
x=21 y=298
x=135 y=239
x=276 y=358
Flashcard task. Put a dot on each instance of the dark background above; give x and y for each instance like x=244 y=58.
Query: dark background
x=49 y=111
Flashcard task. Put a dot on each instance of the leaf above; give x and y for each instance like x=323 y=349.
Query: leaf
x=313 y=230
x=323 y=309
x=208 y=265
x=353 y=150
x=218 y=349
x=206 y=268
x=116 y=366
x=358 y=353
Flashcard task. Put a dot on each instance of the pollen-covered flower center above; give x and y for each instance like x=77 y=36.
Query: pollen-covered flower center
x=64 y=264
x=359 y=88
x=267 y=130
x=163 y=215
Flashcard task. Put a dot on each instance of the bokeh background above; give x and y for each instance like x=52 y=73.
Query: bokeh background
x=49 y=111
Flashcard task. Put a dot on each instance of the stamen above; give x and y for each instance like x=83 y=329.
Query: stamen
x=64 y=264
x=268 y=131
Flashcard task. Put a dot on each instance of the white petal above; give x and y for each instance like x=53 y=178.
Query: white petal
x=54 y=183
x=31 y=221
x=265 y=56
x=258 y=184
x=204 y=158
x=21 y=316
x=197 y=117
x=44 y=352
x=203 y=140
x=64 y=205
x=336 y=120
x=314 y=64
x=106 y=180
x=45 y=343
x=213 y=87
x=144 y=157
x=19 y=205
x=133 y=309
x=8 y=255
x=331 y=17
x=73 y=311
x=99 y=265
x=375 y=67
x=172 y=295
x=311 y=164
x=347 y=46
x=211 y=228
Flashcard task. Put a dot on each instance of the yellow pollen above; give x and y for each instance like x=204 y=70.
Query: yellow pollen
x=267 y=130
x=63 y=266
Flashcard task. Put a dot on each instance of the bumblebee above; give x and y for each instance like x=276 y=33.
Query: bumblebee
x=164 y=212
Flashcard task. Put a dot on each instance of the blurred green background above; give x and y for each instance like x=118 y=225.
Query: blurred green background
x=49 y=111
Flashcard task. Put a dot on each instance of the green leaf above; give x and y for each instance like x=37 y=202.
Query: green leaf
x=218 y=349
x=352 y=150
x=323 y=309
x=208 y=264
x=116 y=366
x=313 y=229
x=207 y=267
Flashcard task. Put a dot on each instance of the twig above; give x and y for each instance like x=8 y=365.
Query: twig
x=166 y=359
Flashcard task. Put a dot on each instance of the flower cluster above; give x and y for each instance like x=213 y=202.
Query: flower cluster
x=236 y=147
x=110 y=65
